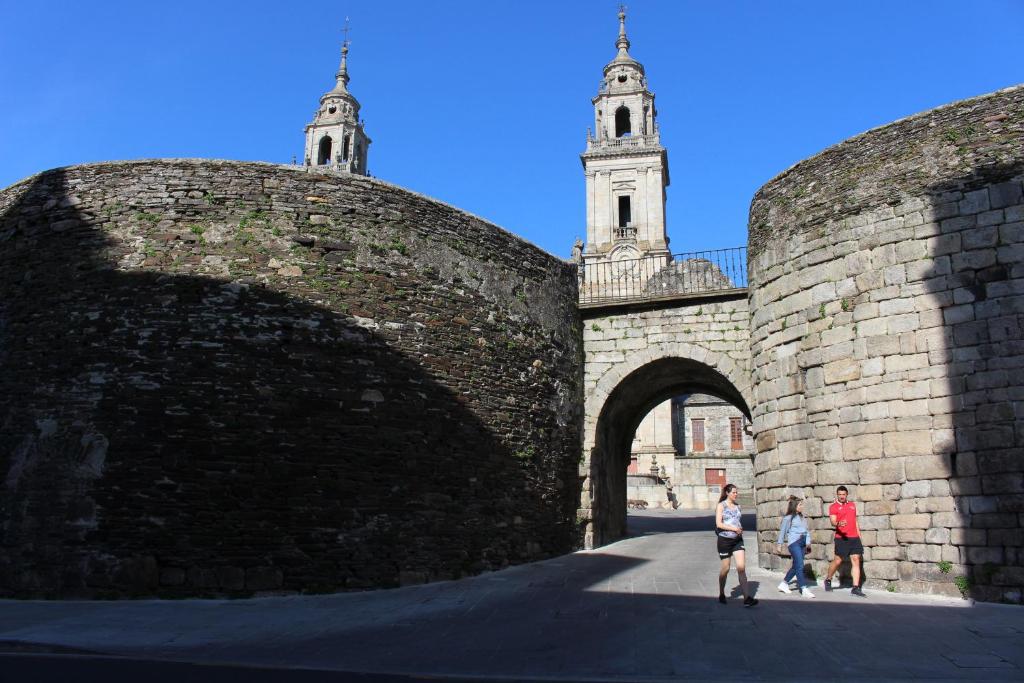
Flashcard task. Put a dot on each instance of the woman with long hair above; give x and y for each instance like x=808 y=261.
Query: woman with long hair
x=729 y=529
x=794 y=534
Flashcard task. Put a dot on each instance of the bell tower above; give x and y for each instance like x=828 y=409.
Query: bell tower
x=335 y=138
x=626 y=167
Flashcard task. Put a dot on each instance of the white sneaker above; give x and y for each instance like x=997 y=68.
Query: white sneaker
x=784 y=587
x=806 y=592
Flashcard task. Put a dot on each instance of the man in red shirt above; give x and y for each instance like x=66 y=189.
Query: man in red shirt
x=843 y=515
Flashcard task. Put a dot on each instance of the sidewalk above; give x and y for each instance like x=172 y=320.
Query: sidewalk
x=644 y=608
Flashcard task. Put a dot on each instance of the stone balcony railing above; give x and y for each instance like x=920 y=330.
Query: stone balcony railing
x=625 y=142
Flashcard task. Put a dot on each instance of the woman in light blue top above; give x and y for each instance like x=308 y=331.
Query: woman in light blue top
x=794 y=534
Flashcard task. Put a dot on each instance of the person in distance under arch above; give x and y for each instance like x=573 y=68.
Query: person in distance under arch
x=729 y=531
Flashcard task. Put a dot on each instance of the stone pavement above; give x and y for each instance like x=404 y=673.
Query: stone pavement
x=641 y=609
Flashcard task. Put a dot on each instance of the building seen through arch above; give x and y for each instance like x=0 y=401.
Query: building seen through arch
x=686 y=449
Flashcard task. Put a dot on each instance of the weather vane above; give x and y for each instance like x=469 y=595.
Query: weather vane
x=345 y=30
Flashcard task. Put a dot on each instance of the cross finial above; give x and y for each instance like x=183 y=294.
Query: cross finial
x=345 y=31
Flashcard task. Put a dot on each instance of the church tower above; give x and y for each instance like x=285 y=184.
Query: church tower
x=335 y=139
x=625 y=165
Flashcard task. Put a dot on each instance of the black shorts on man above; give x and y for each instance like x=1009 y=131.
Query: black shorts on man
x=849 y=546
x=727 y=546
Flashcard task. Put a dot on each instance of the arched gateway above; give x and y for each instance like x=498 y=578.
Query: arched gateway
x=633 y=363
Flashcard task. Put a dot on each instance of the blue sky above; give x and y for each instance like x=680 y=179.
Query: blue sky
x=485 y=104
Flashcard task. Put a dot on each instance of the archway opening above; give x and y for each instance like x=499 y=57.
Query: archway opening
x=622 y=126
x=683 y=391
x=324 y=153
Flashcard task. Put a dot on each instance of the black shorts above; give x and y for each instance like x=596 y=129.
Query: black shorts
x=849 y=546
x=727 y=546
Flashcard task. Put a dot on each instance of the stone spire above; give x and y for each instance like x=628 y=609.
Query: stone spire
x=335 y=139
x=342 y=75
x=623 y=42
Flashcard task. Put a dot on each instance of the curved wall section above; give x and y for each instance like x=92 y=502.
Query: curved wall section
x=231 y=378
x=886 y=290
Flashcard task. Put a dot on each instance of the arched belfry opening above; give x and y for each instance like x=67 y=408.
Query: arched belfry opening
x=323 y=156
x=612 y=458
x=622 y=124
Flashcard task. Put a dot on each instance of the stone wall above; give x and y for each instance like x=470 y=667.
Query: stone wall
x=887 y=294
x=635 y=359
x=229 y=378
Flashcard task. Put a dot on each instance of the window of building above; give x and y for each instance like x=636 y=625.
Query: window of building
x=736 y=433
x=622 y=126
x=625 y=213
x=345 y=147
x=324 y=154
x=697 y=434
x=714 y=476
x=632 y=468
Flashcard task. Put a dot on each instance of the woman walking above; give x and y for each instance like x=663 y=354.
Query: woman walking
x=793 y=533
x=729 y=528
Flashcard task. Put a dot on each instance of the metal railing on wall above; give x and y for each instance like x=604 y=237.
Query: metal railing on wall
x=663 y=277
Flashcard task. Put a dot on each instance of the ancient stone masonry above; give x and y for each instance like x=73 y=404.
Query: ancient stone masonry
x=887 y=295
x=636 y=359
x=228 y=378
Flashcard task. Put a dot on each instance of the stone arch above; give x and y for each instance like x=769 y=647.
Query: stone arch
x=617 y=404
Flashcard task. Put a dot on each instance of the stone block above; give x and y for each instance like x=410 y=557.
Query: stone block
x=923 y=552
x=844 y=370
x=885 y=553
x=881 y=471
x=937 y=535
x=863 y=446
x=984 y=555
x=873 y=522
x=928 y=466
x=912 y=443
x=880 y=507
x=1005 y=194
x=866 y=493
x=836 y=473
x=898 y=324
x=885 y=570
x=904 y=536
x=951 y=520
x=1008 y=576
x=916 y=489
x=880 y=344
x=801 y=475
x=916 y=521
x=885 y=537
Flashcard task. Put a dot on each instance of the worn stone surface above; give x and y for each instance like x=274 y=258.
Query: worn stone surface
x=226 y=378
x=895 y=262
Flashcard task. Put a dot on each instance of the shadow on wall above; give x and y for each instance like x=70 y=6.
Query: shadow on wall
x=975 y=350
x=179 y=435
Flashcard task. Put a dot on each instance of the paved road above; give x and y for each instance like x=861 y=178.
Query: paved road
x=641 y=609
